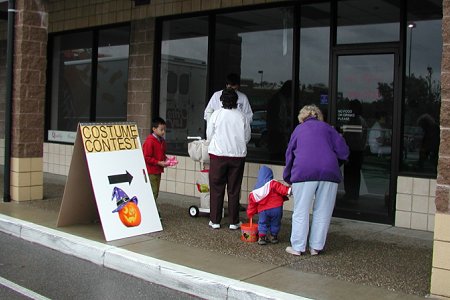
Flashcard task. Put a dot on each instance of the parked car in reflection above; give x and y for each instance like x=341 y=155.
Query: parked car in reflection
x=259 y=128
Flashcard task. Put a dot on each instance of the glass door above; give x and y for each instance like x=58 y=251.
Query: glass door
x=365 y=97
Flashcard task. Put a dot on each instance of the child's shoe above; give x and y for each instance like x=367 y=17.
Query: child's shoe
x=262 y=240
x=274 y=239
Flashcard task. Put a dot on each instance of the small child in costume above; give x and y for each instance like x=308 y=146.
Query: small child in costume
x=267 y=200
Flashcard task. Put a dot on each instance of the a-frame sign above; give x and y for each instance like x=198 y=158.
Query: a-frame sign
x=108 y=178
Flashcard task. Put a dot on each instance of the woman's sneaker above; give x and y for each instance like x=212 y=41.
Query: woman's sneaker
x=290 y=250
x=313 y=251
x=235 y=226
x=213 y=225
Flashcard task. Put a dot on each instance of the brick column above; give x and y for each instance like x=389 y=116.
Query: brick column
x=139 y=107
x=440 y=276
x=30 y=60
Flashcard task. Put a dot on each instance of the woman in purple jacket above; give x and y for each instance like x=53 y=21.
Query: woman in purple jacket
x=312 y=168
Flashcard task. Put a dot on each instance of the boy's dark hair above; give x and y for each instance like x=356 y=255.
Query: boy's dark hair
x=229 y=98
x=158 y=121
x=233 y=79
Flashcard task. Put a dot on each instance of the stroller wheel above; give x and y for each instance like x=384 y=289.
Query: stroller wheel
x=193 y=211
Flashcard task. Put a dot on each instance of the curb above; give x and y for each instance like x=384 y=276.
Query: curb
x=174 y=276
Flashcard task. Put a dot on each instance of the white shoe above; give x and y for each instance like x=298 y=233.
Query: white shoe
x=214 y=226
x=291 y=250
x=313 y=251
x=235 y=226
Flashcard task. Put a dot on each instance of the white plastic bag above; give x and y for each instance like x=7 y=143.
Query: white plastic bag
x=198 y=151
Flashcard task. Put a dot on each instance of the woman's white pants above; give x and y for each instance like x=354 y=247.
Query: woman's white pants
x=320 y=194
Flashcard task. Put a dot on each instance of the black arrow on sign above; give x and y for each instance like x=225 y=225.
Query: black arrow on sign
x=119 y=178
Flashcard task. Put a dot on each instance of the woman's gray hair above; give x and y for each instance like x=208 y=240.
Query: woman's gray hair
x=310 y=111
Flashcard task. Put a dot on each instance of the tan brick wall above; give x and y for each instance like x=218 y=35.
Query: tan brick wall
x=70 y=14
x=30 y=63
x=415 y=205
x=27 y=180
x=140 y=75
x=28 y=103
x=440 y=277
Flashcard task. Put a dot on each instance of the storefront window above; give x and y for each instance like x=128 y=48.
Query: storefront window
x=314 y=56
x=257 y=45
x=72 y=99
x=112 y=74
x=368 y=21
x=422 y=88
x=182 y=91
x=71 y=80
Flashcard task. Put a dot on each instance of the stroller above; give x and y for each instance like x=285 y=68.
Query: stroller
x=198 y=151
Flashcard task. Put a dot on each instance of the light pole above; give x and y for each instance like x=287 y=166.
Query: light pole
x=411 y=26
x=261 y=72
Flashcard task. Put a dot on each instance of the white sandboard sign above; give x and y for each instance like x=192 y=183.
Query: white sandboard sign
x=108 y=169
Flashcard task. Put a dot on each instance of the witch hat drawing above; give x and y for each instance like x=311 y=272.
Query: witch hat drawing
x=127 y=208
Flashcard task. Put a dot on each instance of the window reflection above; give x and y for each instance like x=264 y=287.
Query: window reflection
x=184 y=50
x=364 y=21
x=112 y=75
x=72 y=73
x=314 y=56
x=365 y=116
x=71 y=80
x=257 y=45
x=422 y=88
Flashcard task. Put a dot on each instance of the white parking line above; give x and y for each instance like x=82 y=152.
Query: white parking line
x=21 y=290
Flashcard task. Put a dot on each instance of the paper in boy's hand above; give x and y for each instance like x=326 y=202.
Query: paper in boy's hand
x=171 y=161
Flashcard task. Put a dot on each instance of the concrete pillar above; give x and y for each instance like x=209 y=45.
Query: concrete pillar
x=440 y=276
x=30 y=61
x=140 y=72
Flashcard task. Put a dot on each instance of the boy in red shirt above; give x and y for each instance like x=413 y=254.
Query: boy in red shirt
x=154 y=149
x=267 y=200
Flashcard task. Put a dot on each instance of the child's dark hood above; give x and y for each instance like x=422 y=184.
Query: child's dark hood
x=265 y=175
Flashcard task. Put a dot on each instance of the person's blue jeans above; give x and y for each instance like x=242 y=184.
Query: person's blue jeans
x=270 y=220
x=323 y=194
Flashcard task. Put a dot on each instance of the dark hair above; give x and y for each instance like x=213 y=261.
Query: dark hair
x=157 y=121
x=233 y=79
x=229 y=98
x=356 y=106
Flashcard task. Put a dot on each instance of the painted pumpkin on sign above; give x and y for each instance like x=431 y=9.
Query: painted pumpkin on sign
x=130 y=215
x=127 y=208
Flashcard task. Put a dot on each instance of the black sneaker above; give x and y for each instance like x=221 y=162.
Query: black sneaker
x=274 y=239
x=262 y=240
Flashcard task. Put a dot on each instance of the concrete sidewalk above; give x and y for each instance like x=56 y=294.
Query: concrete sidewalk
x=362 y=260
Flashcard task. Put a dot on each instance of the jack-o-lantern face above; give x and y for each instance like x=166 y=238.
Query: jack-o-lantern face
x=130 y=215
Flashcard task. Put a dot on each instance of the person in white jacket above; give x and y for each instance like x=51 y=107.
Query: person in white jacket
x=232 y=81
x=228 y=132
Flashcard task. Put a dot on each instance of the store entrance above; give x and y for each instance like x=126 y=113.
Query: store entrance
x=365 y=93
